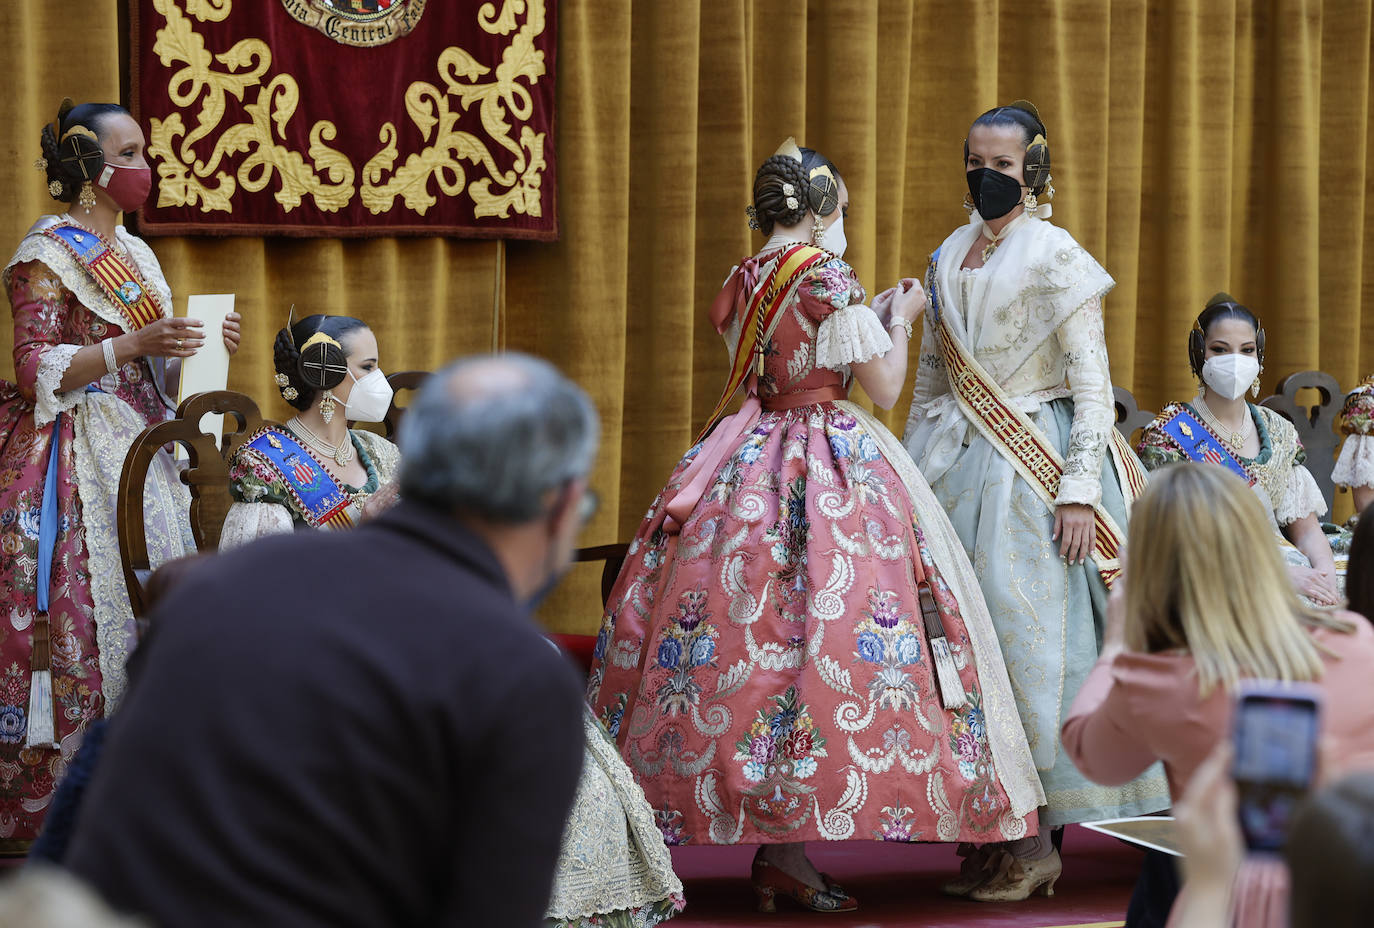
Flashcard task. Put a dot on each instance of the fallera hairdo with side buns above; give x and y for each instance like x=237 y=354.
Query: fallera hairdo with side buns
x=61 y=176
x=772 y=203
x=286 y=355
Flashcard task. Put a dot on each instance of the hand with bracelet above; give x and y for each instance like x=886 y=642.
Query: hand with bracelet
x=883 y=377
x=169 y=337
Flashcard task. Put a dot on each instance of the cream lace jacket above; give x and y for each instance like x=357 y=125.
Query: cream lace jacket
x=1033 y=319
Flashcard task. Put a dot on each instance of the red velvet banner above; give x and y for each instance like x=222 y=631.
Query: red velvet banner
x=347 y=117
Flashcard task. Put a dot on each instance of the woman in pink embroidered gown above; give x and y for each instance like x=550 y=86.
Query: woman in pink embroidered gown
x=83 y=377
x=763 y=661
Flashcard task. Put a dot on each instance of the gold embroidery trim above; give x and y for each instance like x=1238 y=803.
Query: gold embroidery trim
x=459 y=162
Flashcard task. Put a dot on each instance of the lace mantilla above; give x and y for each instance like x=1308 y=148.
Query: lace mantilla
x=103 y=428
x=850 y=335
x=37 y=247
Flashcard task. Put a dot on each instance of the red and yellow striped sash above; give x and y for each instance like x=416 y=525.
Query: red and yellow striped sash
x=761 y=314
x=120 y=283
x=1022 y=443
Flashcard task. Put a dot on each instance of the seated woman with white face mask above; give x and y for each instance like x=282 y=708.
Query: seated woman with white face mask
x=315 y=472
x=1226 y=350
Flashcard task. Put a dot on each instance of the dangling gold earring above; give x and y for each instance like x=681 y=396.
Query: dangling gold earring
x=817 y=232
x=327 y=407
x=968 y=203
x=1254 y=387
x=1030 y=202
x=87 y=197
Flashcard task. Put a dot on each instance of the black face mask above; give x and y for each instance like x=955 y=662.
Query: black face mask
x=994 y=194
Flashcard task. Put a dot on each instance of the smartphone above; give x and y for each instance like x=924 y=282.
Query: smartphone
x=1275 y=734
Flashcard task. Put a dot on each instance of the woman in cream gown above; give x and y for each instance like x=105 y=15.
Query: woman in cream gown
x=1022 y=300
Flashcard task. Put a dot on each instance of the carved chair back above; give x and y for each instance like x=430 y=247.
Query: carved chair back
x=206 y=474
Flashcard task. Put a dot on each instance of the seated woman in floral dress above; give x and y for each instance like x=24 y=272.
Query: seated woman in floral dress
x=1226 y=351
x=316 y=472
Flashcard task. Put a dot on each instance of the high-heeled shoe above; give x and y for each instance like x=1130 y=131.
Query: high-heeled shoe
x=771 y=882
x=973 y=872
x=1015 y=878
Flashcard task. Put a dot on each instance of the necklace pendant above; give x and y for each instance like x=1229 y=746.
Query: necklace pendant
x=341 y=455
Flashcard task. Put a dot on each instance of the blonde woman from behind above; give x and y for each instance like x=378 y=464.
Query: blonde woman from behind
x=1206 y=604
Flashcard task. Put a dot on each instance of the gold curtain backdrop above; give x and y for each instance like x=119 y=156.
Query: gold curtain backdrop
x=1197 y=146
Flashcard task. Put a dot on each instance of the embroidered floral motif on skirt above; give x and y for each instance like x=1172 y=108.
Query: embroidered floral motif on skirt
x=766 y=672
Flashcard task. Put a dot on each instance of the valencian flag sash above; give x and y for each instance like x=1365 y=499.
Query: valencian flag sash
x=759 y=317
x=1200 y=443
x=318 y=496
x=1021 y=442
x=114 y=276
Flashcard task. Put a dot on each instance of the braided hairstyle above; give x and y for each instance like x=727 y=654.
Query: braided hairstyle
x=65 y=178
x=286 y=355
x=771 y=205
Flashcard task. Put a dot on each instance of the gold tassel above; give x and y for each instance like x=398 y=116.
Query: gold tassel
x=951 y=688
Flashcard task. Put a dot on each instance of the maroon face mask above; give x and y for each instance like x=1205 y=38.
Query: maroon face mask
x=127 y=186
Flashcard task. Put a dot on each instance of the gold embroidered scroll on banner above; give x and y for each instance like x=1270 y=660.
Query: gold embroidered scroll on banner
x=347 y=117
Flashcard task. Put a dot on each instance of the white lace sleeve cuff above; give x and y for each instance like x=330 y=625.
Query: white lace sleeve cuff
x=51 y=368
x=849 y=336
x=1083 y=490
x=1300 y=498
x=1355 y=466
x=247 y=521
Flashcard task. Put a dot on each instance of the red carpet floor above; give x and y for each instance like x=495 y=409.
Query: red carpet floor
x=898 y=885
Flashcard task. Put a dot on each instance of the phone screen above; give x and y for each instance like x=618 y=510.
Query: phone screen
x=1275 y=762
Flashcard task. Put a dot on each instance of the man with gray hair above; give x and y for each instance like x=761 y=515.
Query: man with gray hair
x=365 y=727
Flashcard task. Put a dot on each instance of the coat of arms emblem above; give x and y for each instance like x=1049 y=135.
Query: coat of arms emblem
x=360 y=23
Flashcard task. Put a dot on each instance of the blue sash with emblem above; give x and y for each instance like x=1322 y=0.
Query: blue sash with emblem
x=319 y=498
x=1200 y=443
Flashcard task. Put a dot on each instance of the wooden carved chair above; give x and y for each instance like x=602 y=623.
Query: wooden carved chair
x=1130 y=418
x=402 y=380
x=1315 y=424
x=614 y=555
x=207 y=475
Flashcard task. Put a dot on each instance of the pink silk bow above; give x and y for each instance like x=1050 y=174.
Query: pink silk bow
x=722 y=441
x=732 y=298
x=725 y=438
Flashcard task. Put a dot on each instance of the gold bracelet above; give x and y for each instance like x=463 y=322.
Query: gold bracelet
x=899 y=321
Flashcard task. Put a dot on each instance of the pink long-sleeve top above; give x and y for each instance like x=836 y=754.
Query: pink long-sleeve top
x=1136 y=708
